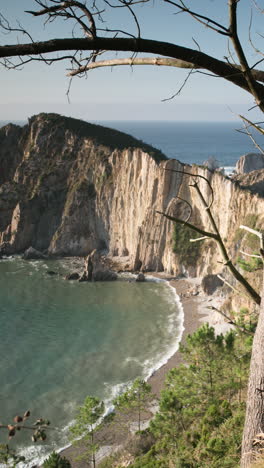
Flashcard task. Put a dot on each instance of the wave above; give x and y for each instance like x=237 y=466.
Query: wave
x=179 y=316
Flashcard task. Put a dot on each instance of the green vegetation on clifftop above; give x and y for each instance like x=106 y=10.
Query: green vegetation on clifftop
x=108 y=137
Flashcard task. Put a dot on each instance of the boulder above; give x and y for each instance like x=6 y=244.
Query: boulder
x=210 y=283
x=33 y=254
x=51 y=273
x=211 y=163
x=105 y=275
x=140 y=278
x=96 y=269
x=72 y=276
x=249 y=162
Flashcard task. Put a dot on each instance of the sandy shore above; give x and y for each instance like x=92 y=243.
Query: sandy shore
x=195 y=305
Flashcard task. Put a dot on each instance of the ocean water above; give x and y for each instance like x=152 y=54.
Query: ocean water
x=192 y=142
x=63 y=340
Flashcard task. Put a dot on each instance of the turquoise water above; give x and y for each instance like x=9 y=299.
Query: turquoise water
x=61 y=341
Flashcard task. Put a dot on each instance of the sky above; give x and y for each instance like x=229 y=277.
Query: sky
x=123 y=93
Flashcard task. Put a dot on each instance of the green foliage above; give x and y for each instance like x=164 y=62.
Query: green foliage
x=135 y=400
x=187 y=251
x=246 y=320
x=200 y=419
x=251 y=265
x=101 y=136
x=56 y=461
x=9 y=456
x=85 y=427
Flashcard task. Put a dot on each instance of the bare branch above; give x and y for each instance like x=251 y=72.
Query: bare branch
x=158 y=61
x=249 y=134
x=195 y=176
x=195 y=57
x=180 y=89
x=251 y=124
x=250 y=255
x=230 y=286
x=230 y=320
x=256 y=233
x=205 y=20
x=198 y=239
x=189 y=205
x=241 y=55
x=189 y=225
x=91 y=31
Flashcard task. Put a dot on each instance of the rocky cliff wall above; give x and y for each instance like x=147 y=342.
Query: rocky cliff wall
x=71 y=187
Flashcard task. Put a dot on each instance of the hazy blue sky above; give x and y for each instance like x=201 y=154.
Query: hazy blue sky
x=125 y=93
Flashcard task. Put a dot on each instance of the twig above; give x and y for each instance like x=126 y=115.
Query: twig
x=250 y=255
x=244 y=330
x=256 y=233
x=199 y=239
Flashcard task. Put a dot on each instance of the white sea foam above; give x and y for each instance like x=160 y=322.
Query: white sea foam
x=177 y=316
x=229 y=170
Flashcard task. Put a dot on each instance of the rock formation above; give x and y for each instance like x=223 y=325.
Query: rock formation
x=33 y=254
x=71 y=187
x=96 y=269
x=249 y=162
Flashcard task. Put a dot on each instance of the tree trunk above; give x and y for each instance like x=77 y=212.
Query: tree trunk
x=254 y=424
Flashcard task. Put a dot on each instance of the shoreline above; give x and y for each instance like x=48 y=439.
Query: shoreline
x=194 y=303
x=195 y=307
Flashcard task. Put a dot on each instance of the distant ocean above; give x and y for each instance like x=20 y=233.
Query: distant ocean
x=189 y=142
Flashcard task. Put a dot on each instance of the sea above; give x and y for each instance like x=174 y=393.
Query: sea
x=63 y=340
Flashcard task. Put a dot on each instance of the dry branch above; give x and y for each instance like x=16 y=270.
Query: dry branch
x=250 y=255
x=231 y=321
x=158 y=61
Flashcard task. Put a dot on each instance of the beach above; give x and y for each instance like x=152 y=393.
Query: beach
x=196 y=312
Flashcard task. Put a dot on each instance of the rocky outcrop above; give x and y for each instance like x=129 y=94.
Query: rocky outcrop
x=210 y=283
x=96 y=268
x=78 y=187
x=249 y=162
x=33 y=254
x=254 y=181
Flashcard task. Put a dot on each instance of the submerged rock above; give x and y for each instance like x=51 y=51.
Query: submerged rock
x=140 y=278
x=72 y=276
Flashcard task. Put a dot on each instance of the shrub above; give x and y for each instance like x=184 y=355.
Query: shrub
x=187 y=251
x=56 y=461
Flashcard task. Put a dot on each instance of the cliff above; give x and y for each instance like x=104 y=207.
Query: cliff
x=68 y=187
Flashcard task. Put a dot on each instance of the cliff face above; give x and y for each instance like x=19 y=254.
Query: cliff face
x=70 y=187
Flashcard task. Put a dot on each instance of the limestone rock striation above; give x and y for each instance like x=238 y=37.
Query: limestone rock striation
x=68 y=187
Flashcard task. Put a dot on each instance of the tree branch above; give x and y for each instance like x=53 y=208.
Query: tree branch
x=250 y=255
x=194 y=57
x=205 y=20
x=256 y=233
x=241 y=55
x=189 y=225
x=242 y=329
x=158 y=61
